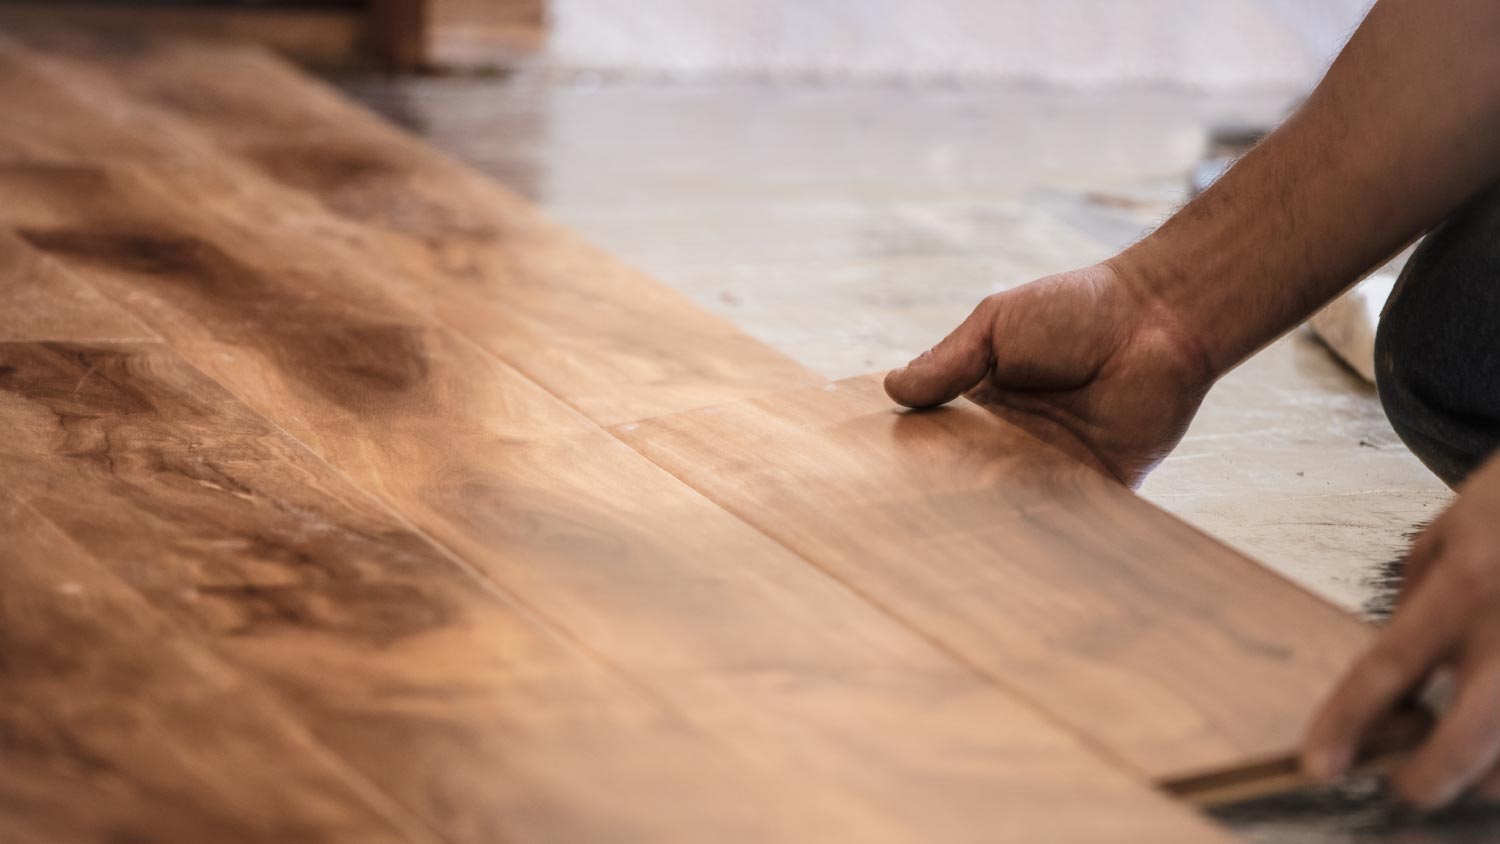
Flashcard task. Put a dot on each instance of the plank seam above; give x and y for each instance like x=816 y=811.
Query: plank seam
x=389 y=808
x=1093 y=746
x=547 y=624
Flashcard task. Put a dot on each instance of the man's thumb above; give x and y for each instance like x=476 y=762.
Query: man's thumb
x=947 y=371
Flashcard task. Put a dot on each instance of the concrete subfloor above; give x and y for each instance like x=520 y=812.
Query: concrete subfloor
x=853 y=226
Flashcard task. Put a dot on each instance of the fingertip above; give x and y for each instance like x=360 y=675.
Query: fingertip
x=895 y=385
x=944 y=372
x=916 y=385
x=1329 y=746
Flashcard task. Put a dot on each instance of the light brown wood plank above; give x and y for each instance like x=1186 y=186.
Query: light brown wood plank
x=455 y=700
x=605 y=338
x=1162 y=645
x=446 y=696
x=741 y=637
x=42 y=302
x=114 y=726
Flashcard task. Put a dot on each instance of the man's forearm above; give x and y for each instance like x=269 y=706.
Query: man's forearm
x=1404 y=127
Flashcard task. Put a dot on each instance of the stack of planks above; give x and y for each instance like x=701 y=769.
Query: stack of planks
x=349 y=499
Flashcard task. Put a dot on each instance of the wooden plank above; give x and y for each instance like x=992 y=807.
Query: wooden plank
x=463 y=35
x=315 y=37
x=445 y=695
x=458 y=35
x=1391 y=741
x=452 y=698
x=397 y=32
x=1040 y=572
x=732 y=631
x=114 y=726
x=483 y=34
x=42 y=302
x=603 y=337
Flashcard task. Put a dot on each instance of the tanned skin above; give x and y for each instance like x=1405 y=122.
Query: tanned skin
x=1113 y=360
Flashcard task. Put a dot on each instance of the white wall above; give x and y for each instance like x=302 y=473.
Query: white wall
x=1199 y=43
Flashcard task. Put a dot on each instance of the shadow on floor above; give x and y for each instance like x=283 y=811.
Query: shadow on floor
x=1358 y=811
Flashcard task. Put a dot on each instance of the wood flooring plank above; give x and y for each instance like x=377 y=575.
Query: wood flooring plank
x=739 y=636
x=318 y=37
x=1164 y=646
x=444 y=695
x=114 y=726
x=42 y=302
x=605 y=338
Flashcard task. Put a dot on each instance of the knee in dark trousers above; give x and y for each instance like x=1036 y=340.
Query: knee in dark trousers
x=1437 y=351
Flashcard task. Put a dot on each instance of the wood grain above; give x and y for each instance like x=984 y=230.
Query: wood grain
x=43 y=302
x=453 y=699
x=742 y=638
x=114 y=726
x=316 y=37
x=605 y=338
x=1160 y=644
x=445 y=695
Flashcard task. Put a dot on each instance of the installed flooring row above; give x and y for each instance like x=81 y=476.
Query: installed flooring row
x=355 y=501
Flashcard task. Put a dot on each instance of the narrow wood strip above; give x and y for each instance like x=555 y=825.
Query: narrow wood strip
x=740 y=636
x=115 y=726
x=317 y=37
x=605 y=338
x=1173 y=651
x=1389 y=741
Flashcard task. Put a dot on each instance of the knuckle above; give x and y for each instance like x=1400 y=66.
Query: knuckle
x=991 y=304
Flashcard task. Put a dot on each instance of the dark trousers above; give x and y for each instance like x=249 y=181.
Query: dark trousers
x=1437 y=351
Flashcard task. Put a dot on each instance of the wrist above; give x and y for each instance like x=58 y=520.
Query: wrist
x=1165 y=318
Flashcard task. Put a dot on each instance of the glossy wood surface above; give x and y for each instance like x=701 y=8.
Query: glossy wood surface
x=298 y=313
x=446 y=696
x=1170 y=650
x=114 y=726
x=45 y=302
x=605 y=338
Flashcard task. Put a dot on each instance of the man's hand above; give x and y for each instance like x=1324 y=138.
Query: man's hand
x=1447 y=617
x=1086 y=355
